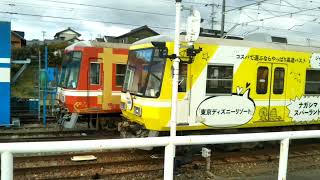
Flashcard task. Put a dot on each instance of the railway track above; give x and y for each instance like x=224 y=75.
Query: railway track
x=32 y=129
x=110 y=163
x=54 y=134
x=141 y=164
x=138 y=164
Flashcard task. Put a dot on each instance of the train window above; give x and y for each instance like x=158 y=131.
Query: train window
x=183 y=70
x=262 y=80
x=120 y=72
x=94 y=73
x=312 y=82
x=219 y=79
x=278 y=83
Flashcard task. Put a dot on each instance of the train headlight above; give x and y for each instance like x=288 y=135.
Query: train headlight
x=137 y=111
x=129 y=101
x=122 y=105
x=63 y=98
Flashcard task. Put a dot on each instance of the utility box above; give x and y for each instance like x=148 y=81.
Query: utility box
x=5 y=55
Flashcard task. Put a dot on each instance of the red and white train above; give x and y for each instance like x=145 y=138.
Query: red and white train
x=91 y=79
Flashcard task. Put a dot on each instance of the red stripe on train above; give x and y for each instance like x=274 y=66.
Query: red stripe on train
x=120 y=51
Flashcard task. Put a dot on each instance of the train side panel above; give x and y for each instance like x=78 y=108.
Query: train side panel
x=100 y=80
x=264 y=82
x=83 y=98
x=236 y=87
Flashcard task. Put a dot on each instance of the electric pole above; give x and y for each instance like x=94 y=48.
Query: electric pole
x=43 y=35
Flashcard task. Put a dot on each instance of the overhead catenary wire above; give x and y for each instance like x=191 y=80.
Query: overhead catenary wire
x=287 y=14
x=161 y=14
x=137 y=25
x=247 y=5
x=107 y=7
x=79 y=19
x=282 y=14
x=231 y=8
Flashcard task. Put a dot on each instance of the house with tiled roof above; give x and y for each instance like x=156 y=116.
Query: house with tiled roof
x=132 y=36
x=17 y=39
x=67 y=35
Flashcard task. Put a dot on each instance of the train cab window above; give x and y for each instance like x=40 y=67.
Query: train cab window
x=94 y=73
x=219 y=79
x=183 y=71
x=262 y=80
x=278 y=83
x=312 y=82
x=120 y=73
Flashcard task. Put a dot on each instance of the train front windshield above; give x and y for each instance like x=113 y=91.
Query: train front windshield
x=69 y=75
x=144 y=72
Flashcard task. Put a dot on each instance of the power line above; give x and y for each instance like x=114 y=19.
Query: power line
x=71 y=9
x=160 y=27
x=130 y=24
x=107 y=7
x=232 y=8
x=156 y=27
x=35 y=5
x=79 y=19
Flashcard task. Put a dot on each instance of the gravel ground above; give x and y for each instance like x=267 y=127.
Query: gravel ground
x=306 y=168
x=231 y=167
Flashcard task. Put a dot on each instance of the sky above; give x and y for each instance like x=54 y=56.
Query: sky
x=297 y=20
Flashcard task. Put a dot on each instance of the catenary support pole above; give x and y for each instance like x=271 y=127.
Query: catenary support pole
x=283 y=159
x=223 y=17
x=212 y=16
x=170 y=149
x=6 y=166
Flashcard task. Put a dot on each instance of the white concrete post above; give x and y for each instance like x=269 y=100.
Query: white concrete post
x=175 y=76
x=169 y=161
x=6 y=166
x=283 y=159
x=170 y=148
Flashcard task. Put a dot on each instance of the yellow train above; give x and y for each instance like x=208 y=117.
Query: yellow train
x=229 y=84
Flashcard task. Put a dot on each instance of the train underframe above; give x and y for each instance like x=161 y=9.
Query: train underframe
x=130 y=129
x=95 y=120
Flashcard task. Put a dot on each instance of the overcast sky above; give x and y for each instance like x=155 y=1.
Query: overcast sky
x=296 y=19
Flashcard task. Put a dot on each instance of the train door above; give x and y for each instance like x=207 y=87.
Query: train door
x=278 y=92
x=95 y=82
x=183 y=95
x=271 y=91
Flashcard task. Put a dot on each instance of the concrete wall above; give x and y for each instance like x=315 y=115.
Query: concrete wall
x=5 y=54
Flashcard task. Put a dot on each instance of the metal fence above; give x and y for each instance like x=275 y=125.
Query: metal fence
x=8 y=149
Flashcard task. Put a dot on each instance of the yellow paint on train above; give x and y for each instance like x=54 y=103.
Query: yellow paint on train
x=231 y=84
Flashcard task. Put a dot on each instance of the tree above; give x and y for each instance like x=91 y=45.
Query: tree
x=55 y=53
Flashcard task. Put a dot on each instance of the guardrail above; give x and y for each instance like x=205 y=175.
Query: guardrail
x=8 y=149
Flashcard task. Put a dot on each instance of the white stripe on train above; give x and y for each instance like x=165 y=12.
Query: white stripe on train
x=166 y=104
x=85 y=93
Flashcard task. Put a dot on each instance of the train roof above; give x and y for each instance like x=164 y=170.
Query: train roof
x=232 y=42
x=97 y=44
